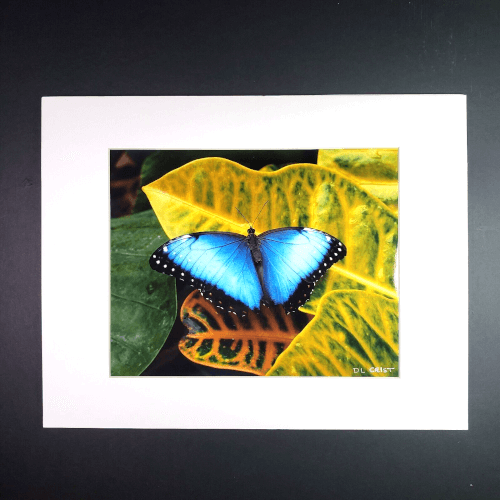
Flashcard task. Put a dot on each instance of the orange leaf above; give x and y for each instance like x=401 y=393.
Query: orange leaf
x=223 y=340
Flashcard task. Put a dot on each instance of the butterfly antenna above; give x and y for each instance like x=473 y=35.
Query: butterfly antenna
x=259 y=212
x=243 y=216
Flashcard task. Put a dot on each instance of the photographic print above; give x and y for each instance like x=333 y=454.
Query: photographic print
x=152 y=352
x=254 y=263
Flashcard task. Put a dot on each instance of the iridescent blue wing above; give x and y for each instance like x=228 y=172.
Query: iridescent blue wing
x=219 y=264
x=294 y=259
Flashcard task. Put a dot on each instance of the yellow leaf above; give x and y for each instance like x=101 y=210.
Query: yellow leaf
x=223 y=340
x=354 y=334
x=375 y=170
x=203 y=196
x=270 y=168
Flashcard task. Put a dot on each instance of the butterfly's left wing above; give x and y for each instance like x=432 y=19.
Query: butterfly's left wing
x=219 y=264
x=294 y=259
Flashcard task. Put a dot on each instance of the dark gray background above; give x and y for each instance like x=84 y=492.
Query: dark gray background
x=200 y=48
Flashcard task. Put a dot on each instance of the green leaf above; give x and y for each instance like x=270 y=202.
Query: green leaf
x=354 y=334
x=143 y=302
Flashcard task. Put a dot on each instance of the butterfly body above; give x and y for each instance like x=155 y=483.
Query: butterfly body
x=238 y=273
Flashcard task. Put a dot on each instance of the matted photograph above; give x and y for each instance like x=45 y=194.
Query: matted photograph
x=251 y=247
x=254 y=263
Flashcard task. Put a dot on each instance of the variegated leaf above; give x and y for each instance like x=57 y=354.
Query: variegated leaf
x=223 y=340
x=375 y=170
x=203 y=196
x=353 y=334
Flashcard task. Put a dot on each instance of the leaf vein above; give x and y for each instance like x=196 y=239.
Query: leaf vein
x=136 y=302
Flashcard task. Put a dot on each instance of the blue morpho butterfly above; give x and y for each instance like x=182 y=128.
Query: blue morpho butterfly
x=238 y=273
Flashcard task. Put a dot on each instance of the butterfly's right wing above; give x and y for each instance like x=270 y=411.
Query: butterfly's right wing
x=294 y=259
x=218 y=264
